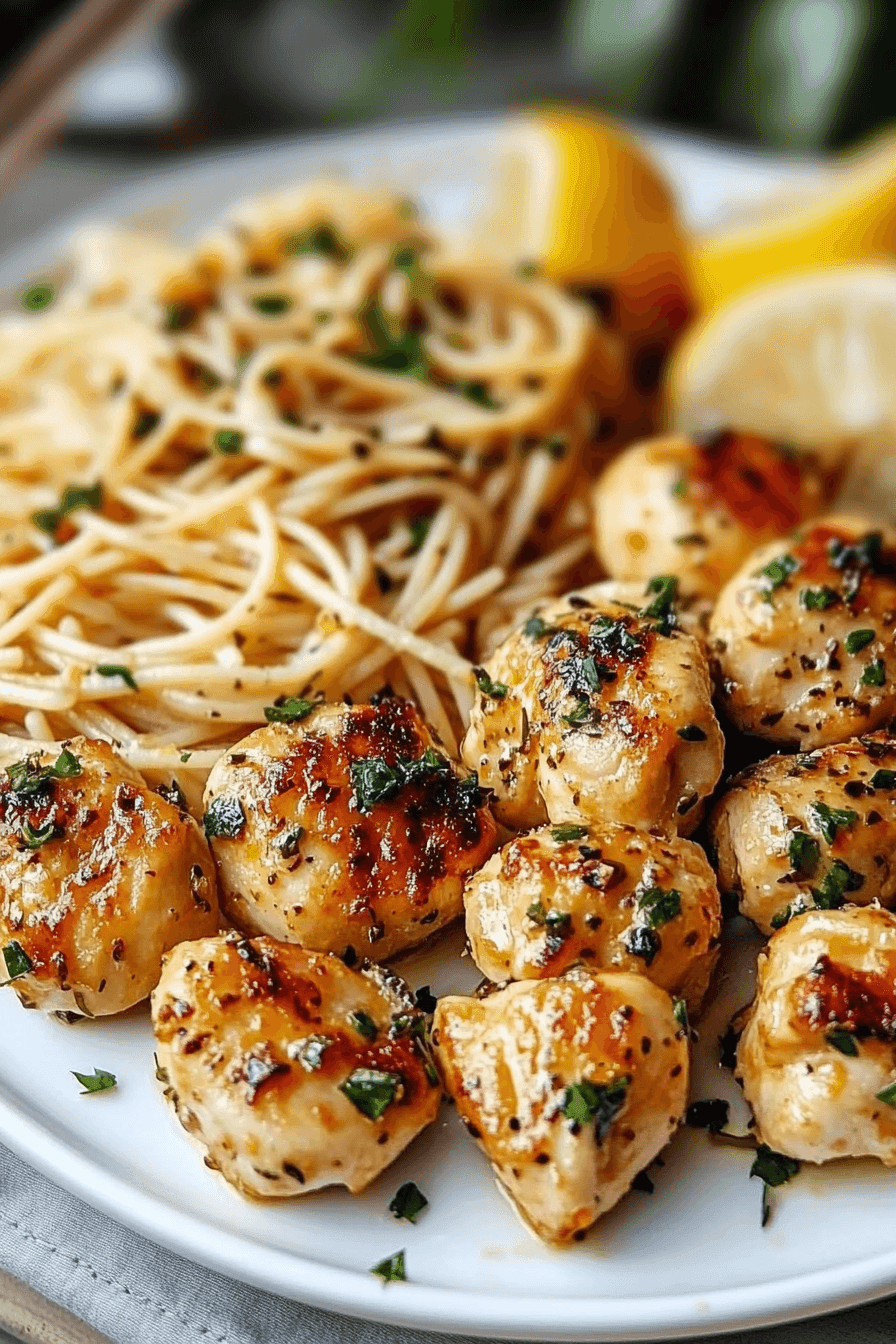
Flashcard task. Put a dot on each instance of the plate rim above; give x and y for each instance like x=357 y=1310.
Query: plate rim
x=441 y=1310
x=297 y=1277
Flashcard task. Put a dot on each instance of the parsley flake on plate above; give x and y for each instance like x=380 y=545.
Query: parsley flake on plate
x=392 y=1269
x=408 y=1202
x=98 y=1081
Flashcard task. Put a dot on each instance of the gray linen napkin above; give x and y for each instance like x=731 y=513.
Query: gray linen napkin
x=135 y=1293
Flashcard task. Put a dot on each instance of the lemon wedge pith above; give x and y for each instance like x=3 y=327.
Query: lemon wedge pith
x=809 y=361
x=849 y=217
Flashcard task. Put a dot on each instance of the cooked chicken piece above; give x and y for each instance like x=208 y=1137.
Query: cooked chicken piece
x=612 y=896
x=291 y=1070
x=803 y=635
x=818 y=1055
x=697 y=508
x=571 y=1086
x=594 y=710
x=816 y=829
x=350 y=829
x=99 y=876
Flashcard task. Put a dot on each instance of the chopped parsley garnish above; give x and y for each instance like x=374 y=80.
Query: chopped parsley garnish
x=612 y=639
x=391 y=1270
x=528 y=270
x=364 y=1024
x=680 y=1013
x=830 y=819
x=875 y=673
x=842 y=1040
x=804 y=851
x=862 y=554
x=857 y=640
x=580 y=714
x=388 y=349
x=887 y=1094
x=782 y=917
x=228 y=442
x=288 y=843
x=664 y=589
x=773 y=1168
x=883 y=779
x=371 y=1091
x=178 y=316
x=291 y=710
x=775 y=574
x=419 y=526
x=320 y=240
x=34 y=838
x=478 y=392
x=375 y=781
x=66 y=765
x=116 y=670
x=691 y=733
x=711 y=1114
x=144 y=424
x=568 y=832
x=38 y=297
x=680 y=488
x=408 y=1203
x=17 y=960
x=272 y=304
x=839 y=879
x=536 y=628
x=495 y=689
x=818 y=599
x=29 y=780
x=558 y=923
x=98 y=1081
x=73 y=497
x=310 y=1051
x=600 y=1102
x=659 y=906
x=224 y=818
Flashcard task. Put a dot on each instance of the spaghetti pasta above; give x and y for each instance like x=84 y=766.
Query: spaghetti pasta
x=320 y=451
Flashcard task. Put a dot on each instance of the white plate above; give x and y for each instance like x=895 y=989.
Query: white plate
x=690 y=1259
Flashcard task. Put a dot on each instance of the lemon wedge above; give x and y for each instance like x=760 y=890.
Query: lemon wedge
x=578 y=195
x=850 y=215
x=809 y=361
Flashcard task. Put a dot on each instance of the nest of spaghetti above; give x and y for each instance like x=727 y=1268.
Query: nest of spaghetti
x=322 y=450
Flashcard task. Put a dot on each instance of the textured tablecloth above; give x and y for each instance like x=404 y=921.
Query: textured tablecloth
x=134 y=1293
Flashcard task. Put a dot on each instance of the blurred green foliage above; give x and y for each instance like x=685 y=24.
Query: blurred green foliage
x=794 y=73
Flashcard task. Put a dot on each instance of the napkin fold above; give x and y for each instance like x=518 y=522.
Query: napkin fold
x=133 y=1292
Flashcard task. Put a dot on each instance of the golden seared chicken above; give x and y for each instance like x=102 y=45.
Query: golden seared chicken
x=291 y=1070
x=817 y=1057
x=99 y=876
x=571 y=1087
x=612 y=896
x=698 y=507
x=815 y=829
x=803 y=635
x=598 y=706
x=349 y=829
